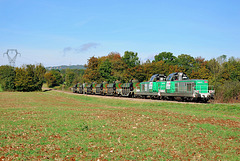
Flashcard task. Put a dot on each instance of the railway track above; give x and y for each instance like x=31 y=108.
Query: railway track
x=126 y=98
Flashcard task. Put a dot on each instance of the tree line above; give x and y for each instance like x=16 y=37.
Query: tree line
x=222 y=73
x=31 y=77
x=25 y=78
x=64 y=78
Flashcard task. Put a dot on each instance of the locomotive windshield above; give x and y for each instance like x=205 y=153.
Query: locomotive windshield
x=152 y=78
x=157 y=77
x=169 y=78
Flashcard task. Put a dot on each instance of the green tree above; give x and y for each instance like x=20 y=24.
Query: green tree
x=29 y=78
x=78 y=75
x=131 y=59
x=39 y=77
x=58 y=76
x=222 y=59
x=219 y=70
x=187 y=62
x=105 y=70
x=69 y=78
x=50 y=79
x=166 y=57
x=21 y=79
x=233 y=68
x=7 y=76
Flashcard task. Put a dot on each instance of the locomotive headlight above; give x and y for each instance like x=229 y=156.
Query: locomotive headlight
x=195 y=93
x=211 y=91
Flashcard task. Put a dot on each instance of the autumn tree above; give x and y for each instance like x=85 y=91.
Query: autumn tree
x=117 y=65
x=219 y=71
x=92 y=72
x=138 y=73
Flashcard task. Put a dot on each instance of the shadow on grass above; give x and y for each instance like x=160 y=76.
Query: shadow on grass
x=46 y=90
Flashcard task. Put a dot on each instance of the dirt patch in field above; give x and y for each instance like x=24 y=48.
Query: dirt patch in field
x=105 y=132
x=193 y=119
x=188 y=118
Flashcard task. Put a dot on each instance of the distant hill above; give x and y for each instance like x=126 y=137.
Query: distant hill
x=66 y=67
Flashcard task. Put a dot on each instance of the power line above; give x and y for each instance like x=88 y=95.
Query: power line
x=12 y=60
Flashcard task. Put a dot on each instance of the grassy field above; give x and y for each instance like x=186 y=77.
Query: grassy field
x=53 y=125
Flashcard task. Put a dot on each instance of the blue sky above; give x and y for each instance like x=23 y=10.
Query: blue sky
x=57 y=32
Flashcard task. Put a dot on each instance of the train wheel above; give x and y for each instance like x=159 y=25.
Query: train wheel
x=130 y=95
x=204 y=100
x=183 y=99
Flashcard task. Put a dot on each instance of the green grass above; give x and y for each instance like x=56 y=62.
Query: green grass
x=53 y=125
x=1 y=90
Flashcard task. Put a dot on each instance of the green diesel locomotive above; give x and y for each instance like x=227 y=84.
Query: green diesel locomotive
x=175 y=86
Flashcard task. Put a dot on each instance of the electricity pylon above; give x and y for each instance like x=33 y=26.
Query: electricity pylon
x=12 y=60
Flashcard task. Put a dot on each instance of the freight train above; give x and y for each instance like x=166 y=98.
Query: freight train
x=176 y=86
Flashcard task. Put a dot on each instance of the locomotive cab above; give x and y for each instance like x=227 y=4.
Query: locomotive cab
x=178 y=85
x=150 y=88
x=157 y=78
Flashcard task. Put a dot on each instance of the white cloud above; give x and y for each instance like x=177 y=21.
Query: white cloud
x=82 y=48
